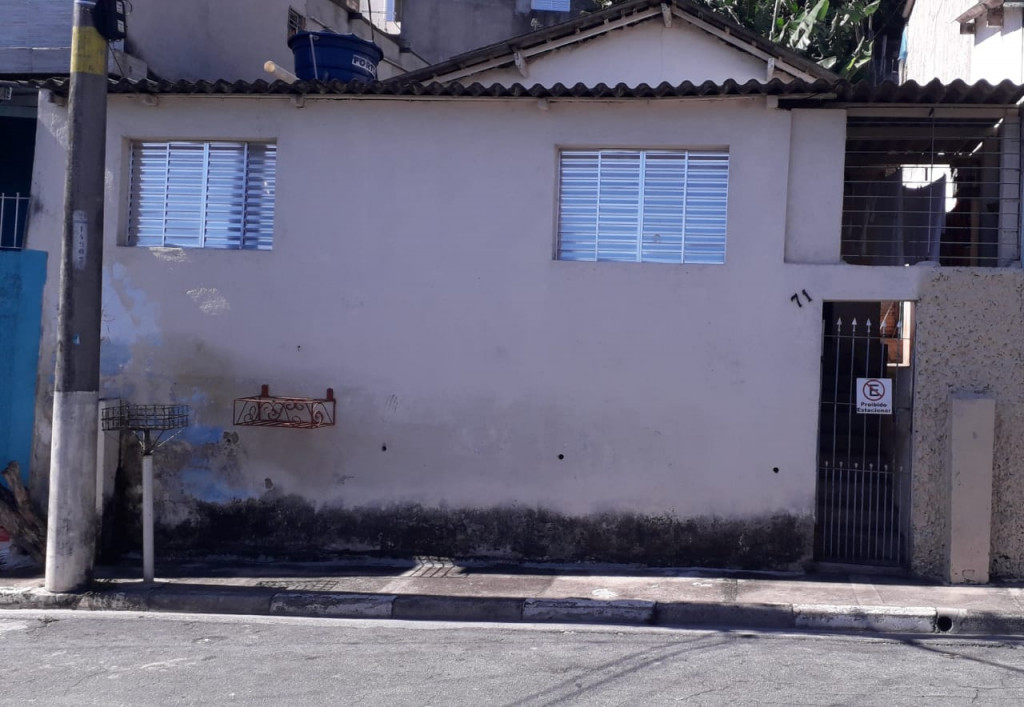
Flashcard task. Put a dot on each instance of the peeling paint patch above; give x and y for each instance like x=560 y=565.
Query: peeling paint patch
x=170 y=255
x=210 y=300
x=128 y=313
x=289 y=526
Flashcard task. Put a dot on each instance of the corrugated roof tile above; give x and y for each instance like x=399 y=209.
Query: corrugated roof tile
x=819 y=92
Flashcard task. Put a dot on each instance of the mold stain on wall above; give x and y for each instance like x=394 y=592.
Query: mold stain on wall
x=289 y=526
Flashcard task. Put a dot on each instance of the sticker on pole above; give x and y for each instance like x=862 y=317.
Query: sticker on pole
x=874 y=396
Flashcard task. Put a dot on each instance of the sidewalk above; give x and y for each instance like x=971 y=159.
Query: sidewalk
x=445 y=591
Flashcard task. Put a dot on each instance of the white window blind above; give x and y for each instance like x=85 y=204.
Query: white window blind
x=657 y=206
x=202 y=194
x=554 y=5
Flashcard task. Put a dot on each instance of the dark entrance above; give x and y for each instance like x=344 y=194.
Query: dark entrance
x=864 y=432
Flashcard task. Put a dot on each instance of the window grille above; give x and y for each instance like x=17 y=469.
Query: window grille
x=13 y=220
x=296 y=23
x=202 y=194
x=935 y=189
x=652 y=206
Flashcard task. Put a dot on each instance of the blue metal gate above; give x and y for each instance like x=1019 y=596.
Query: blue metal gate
x=22 y=274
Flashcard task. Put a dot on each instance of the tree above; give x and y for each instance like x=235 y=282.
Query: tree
x=836 y=34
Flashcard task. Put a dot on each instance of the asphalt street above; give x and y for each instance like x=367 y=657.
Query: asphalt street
x=98 y=658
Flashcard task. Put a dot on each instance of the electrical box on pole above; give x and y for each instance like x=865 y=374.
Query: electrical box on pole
x=110 y=17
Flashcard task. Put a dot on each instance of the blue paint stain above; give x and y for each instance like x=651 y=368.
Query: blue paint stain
x=114 y=356
x=202 y=434
x=22 y=275
x=201 y=484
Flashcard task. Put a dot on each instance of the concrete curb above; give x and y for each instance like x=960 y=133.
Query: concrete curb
x=589 y=611
x=879 y=619
x=36 y=599
x=274 y=602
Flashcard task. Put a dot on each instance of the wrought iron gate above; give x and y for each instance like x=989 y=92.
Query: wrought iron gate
x=864 y=432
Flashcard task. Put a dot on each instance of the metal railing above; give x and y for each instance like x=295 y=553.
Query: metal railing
x=932 y=190
x=13 y=221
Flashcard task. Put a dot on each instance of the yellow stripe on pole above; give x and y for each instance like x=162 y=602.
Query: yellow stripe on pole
x=88 y=51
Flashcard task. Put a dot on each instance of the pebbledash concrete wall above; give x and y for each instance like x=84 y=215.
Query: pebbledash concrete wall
x=935 y=47
x=491 y=399
x=970 y=340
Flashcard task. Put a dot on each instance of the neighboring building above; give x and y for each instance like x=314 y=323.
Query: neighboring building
x=440 y=29
x=385 y=15
x=679 y=47
x=806 y=344
x=35 y=40
x=969 y=40
x=231 y=39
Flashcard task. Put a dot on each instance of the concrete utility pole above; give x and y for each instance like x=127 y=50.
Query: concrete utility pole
x=71 y=525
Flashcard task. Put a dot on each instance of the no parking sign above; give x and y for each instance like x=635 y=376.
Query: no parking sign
x=874 y=396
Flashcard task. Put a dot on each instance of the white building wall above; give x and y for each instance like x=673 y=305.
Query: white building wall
x=471 y=368
x=35 y=36
x=647 y=53
x=999 y=51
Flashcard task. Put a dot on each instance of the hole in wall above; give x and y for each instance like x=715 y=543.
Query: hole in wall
x=944 y=624
x=383 y=447
x=561 y=457
x=775 y=470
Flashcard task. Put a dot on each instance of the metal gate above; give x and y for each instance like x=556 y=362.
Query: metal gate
x=864 y=432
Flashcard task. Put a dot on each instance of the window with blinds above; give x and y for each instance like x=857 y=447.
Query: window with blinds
x=650 y=206
x=553 y=5
x=202 y=195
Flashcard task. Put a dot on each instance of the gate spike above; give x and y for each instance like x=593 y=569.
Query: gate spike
x=839 y=325
x=853 y=325
x=868 y=324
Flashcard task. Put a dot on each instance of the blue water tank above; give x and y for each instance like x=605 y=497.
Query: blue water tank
x=329 y=56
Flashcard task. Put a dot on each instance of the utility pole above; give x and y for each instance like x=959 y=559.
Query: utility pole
x=72 y=520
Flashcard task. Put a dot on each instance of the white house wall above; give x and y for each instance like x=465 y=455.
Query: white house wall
x=817 y=145
x=472 y=370
x=645 y=53
x=999 y=51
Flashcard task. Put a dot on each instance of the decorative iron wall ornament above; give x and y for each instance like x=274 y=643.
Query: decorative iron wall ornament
x=266 y=410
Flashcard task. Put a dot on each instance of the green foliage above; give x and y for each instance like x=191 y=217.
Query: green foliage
x=833 y=33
